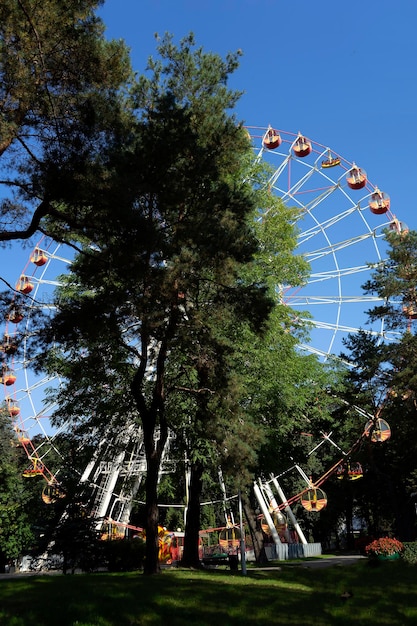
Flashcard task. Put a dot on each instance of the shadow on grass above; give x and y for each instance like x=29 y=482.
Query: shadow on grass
x=291 y=595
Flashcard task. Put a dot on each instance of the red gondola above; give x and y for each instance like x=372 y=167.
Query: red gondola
x=272 y=139
x=14 y=315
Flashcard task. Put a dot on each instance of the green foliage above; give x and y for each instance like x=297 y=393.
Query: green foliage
x=171 y=316
x=383 y=383
x=409 y=554
x=15 y=527
x=395 y=281
x=78 y=540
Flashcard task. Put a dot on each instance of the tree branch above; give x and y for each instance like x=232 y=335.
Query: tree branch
x=43 y=209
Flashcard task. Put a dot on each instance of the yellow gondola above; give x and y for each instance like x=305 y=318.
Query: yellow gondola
x=331 y=161
x=314 y=499
x=36 y=469
x=52 y=493
x=378 y=430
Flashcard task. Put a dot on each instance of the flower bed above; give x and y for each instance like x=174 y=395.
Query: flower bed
x=384 y=547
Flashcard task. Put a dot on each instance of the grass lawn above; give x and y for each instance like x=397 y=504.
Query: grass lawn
x=292 y=595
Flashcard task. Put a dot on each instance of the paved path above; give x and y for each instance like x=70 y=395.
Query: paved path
x=329 y=561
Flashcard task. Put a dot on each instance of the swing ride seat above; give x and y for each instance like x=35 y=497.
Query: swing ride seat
x=220 y=557
x=230 y=560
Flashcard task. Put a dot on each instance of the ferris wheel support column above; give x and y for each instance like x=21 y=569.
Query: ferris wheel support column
x=265 y=511
x=274 y=505
x=288 y=510
x=101 y=512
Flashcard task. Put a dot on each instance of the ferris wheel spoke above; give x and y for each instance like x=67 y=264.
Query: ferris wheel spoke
x=317 y=277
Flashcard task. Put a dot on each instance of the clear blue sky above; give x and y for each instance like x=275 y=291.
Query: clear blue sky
x=344 y=74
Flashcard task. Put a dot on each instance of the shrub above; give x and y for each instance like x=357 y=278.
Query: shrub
x=125 y=555
x=361 y=543
x=385 y=546
x=410 y=552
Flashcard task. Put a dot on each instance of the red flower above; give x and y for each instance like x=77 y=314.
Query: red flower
x=384 y=546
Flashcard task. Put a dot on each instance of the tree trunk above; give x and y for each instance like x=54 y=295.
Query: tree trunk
x=152 y=516
x=349 y=518
x=255 y=532
x=191 y=557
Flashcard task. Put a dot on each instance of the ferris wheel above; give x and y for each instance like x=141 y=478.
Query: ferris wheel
x=342 y=218
x=341 y=224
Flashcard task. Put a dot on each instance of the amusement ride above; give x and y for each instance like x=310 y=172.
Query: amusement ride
x=341 y=225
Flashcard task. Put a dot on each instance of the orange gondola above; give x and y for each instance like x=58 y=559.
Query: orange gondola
x=400 y=227
x=14 y=315
x=356 y=178
x=410 y=311
x=13 y=407
x=314 y=499
x=8 y=377
x=379 y=202
x=24 y=284
x=302 y=146
x=272 y=139
x=22 y=437
x=378 y=430
x=8 y=345
x=38 y=257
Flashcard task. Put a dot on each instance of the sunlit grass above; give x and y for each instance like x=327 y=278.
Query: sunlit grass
x=291 y=595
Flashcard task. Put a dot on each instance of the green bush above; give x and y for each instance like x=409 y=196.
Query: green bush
x=124 y=555
x=410 y=552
